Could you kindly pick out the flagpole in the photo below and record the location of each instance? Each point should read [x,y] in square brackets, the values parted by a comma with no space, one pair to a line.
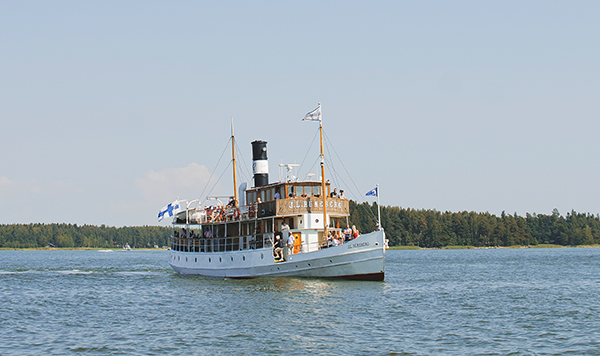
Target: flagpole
[378,209]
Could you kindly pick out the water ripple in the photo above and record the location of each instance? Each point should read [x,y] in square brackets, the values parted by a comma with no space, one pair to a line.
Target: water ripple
[485,302]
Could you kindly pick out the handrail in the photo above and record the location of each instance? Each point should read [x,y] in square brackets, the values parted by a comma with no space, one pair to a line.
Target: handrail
[220,214]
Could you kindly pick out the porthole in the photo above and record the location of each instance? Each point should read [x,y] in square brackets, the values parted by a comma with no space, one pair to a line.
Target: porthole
[296,266]
[186,259]
[244,258]
[196,259]
[262,256]
[331,261]
[209,260]
[178,258]
[316,220]
[309,264]
[220,259]
[231,258]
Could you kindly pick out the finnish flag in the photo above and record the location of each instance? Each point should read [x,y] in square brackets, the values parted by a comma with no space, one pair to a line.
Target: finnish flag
[169,210]
[372,192]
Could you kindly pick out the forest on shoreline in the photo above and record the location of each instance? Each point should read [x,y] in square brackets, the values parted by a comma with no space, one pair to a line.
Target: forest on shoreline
[435,229]
[72,235]
[403,227]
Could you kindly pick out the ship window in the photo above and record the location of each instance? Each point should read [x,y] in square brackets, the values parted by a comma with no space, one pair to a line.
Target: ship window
[315,191]
[262,196]
[268,225]
[219,230]
[233,229]
[291,191]
[268,195]
[246,229]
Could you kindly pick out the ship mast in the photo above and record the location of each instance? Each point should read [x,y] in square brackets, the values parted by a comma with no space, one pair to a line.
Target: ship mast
[324,194]
[235,197]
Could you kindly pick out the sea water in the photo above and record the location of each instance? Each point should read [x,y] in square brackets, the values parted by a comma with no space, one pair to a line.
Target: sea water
[433,302]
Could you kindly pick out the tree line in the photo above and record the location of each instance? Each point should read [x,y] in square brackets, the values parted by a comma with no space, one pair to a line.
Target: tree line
[404,227]
[434,229]
[72,235]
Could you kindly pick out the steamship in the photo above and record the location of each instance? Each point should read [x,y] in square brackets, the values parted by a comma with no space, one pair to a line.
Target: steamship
[240,239]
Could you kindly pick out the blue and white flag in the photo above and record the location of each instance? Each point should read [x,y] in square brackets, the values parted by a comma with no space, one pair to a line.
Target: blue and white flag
[314,115]
[169,210]
[372,192]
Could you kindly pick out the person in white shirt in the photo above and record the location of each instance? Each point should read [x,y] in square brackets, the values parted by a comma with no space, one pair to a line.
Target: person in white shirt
[290,242]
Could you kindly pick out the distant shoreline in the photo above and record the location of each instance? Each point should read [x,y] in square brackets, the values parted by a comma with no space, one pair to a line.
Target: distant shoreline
[77,249]
[391,248]
[485,248]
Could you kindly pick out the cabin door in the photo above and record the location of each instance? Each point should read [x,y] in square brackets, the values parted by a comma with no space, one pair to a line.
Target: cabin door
[297,242]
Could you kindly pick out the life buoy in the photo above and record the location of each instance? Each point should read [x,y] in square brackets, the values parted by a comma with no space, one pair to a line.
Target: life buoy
[236,214]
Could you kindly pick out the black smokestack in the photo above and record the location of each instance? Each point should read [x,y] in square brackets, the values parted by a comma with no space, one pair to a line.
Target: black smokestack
[260,164]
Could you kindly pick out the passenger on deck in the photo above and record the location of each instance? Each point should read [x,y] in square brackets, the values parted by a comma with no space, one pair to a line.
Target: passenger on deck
[340,237]
[278,248]
[285,229]
[231,203]
[333,194]
[355,232]
[348,233]
[341,195]
[290,244]
[277,196]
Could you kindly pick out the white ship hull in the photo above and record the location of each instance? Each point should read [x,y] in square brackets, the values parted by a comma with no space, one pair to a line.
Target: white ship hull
[362,258]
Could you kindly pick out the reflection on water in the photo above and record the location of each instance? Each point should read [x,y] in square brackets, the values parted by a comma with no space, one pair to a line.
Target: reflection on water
[432,302]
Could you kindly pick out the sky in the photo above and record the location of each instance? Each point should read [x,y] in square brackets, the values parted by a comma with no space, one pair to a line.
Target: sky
[110,110]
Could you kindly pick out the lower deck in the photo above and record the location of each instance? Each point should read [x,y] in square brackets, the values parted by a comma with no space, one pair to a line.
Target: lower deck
[361,258]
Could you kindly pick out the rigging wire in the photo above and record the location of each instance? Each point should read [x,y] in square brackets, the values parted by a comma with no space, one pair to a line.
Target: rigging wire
[329,165]
[314,164]
[345,169]
[213,173]
[243,166]
[306,155]
[221,176]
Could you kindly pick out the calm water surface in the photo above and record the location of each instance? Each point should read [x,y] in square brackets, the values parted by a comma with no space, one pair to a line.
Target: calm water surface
[475,302]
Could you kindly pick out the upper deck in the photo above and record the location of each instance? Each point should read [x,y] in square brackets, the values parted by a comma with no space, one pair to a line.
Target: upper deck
[274,200]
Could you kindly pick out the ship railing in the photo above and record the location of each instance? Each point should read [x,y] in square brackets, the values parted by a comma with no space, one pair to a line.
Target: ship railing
[217,214]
